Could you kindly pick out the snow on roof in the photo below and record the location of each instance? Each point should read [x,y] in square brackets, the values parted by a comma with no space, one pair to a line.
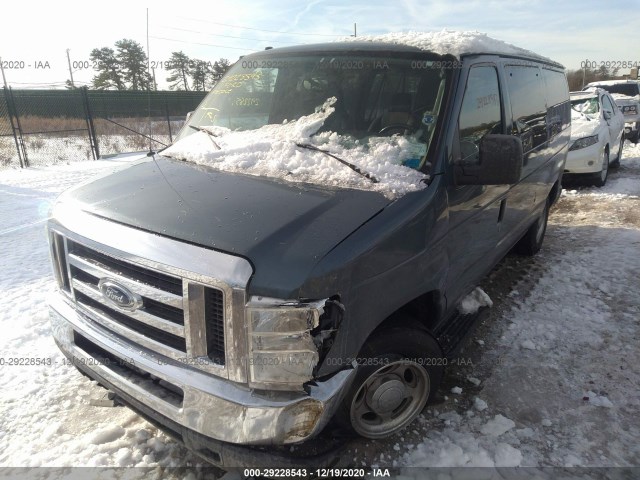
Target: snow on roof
[274,151]
[585,93]
[610,82]
[450,42]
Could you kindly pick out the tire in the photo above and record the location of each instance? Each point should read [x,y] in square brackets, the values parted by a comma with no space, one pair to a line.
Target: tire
[616,162]
[399,373]
[600,178]
[531,242]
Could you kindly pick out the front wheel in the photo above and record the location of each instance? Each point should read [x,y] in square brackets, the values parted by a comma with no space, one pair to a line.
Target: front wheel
[616,162]
[531,243]
[600,178]
[400,370]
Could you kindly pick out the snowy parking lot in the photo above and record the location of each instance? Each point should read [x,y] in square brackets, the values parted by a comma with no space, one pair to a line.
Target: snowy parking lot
[550,379]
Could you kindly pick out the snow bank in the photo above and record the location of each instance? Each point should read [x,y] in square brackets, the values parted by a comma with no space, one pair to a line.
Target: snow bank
[452,448]
[474,301]
[46,419]
[598,400]
[497,426]
[480,404]
[447,41]
[271,151]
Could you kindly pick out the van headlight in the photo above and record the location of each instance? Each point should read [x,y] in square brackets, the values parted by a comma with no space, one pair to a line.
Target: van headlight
[282,354]
[584,142]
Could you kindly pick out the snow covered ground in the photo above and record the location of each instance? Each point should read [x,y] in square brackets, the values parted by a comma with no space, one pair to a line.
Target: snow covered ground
[552,378]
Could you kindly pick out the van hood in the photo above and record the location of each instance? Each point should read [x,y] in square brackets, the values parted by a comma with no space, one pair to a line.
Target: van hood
[284,229]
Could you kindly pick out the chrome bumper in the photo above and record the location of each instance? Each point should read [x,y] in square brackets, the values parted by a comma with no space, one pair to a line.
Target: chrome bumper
[210,405]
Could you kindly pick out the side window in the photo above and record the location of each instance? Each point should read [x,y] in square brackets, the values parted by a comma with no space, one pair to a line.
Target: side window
[606,104]
[481,113]
[528,105]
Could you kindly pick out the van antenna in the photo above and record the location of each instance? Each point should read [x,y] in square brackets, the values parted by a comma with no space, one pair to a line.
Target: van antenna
[148,85]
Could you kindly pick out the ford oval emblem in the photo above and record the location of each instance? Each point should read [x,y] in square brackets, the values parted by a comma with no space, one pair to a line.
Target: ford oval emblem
[119,295]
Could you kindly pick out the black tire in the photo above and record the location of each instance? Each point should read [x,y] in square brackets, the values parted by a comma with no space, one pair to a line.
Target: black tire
[395,365]
[531,242]
[600,178]
[616,161]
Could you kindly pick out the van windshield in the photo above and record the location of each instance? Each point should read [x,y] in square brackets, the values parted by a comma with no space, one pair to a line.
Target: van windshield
[372,96]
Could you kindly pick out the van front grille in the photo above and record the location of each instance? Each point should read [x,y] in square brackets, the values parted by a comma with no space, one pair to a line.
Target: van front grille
[157,321]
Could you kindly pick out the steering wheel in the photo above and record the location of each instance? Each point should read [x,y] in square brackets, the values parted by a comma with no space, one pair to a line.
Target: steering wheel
[405,127]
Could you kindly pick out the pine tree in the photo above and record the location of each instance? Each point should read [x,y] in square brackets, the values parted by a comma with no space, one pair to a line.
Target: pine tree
[200,72]
[109,72]
[219,69]
[179,64]
[133,62]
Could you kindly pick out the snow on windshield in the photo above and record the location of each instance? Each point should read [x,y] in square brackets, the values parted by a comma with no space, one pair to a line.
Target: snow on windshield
[272,151]
[448,42]
[584,109]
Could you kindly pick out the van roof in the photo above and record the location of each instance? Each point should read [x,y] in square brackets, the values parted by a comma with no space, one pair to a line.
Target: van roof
[458,44]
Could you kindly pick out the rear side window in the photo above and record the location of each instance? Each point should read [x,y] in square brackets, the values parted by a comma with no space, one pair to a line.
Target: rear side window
[556,87]
[481,113]
[528,105]
[558,109]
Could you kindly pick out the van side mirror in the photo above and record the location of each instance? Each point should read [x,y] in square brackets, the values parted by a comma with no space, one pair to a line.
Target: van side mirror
[189,115]
[607,114]
[500,162]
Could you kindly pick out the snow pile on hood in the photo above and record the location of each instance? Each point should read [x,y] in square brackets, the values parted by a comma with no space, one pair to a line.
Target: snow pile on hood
[584,124]
[271,151]
[448,42]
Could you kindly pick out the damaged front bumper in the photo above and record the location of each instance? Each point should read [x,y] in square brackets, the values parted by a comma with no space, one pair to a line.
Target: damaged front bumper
[203,405]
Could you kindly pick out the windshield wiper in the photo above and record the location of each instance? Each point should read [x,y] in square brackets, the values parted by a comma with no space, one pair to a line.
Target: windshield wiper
[344,162]
[211,135]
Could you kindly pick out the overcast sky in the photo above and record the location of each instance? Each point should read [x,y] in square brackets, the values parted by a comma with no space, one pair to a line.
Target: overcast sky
[566,31]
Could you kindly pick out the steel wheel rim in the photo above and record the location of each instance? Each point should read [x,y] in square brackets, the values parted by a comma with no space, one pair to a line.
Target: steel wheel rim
[389,399]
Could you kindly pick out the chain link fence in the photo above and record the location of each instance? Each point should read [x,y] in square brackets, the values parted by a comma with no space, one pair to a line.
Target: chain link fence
[40,127]
[9,146]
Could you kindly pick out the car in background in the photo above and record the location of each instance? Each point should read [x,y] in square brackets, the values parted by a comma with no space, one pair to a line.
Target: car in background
[626,94]
[597,135]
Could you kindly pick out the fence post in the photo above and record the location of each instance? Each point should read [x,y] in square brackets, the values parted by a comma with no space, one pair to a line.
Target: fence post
[13,128]
[93,138]
[166,109]
[13,111]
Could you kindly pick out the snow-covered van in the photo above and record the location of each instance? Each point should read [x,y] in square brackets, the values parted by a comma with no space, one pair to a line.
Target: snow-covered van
[293,263]
[626,94]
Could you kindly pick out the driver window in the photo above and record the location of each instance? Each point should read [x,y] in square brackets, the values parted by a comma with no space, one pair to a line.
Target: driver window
[606,104]
[481,113]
